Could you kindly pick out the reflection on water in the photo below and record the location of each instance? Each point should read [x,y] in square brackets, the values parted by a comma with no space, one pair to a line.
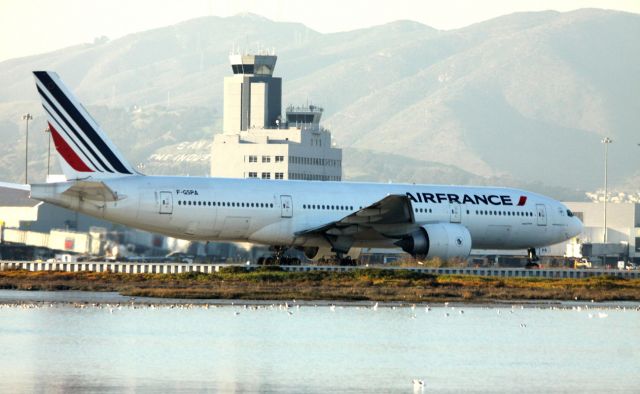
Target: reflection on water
[117,346]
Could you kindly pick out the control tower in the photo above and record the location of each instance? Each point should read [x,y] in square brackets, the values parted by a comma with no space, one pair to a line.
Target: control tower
[257,143]
[252,96]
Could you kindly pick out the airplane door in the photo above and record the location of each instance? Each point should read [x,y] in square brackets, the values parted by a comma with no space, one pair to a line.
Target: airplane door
[541,212]
[286,204]
[454,210]
[166,203]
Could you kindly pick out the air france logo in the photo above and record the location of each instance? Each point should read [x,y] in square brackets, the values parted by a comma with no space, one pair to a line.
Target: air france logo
[475,199]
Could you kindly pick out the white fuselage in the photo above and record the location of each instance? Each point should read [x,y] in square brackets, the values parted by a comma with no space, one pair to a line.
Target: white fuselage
[271,212]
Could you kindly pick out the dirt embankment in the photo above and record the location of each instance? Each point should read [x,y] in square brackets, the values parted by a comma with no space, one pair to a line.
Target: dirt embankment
[270,283]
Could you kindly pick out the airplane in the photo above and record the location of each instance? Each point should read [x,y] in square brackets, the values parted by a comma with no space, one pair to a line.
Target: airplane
[320,218]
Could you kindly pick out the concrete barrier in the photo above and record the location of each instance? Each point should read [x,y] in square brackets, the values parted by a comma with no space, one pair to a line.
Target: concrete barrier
[176,268]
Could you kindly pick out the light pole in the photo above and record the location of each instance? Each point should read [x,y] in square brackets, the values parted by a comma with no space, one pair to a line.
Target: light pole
[48,130]
[606,141]
[26,117]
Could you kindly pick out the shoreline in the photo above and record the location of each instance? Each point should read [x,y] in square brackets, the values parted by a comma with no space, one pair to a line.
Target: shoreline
[366,286]
[86,298]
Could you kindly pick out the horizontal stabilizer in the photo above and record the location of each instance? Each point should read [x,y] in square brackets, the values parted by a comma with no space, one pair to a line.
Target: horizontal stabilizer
[86,190]
[15,186]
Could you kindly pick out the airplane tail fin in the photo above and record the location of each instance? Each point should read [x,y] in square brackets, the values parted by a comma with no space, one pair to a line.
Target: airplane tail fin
[85,150]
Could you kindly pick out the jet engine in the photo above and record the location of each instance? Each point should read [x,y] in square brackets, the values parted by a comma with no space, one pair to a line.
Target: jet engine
[316,253]
[443,240]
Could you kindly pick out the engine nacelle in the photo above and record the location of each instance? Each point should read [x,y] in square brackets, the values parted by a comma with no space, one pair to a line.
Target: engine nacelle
[316,253]
[443,240]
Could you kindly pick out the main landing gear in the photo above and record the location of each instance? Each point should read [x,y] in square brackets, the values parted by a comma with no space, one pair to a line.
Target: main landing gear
[345,260]
[278,257]
[532,259]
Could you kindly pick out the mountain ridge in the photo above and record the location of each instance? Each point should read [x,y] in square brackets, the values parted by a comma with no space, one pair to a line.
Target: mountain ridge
[523,96]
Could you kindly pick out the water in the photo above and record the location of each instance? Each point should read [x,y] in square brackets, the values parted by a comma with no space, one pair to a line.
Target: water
[63,348]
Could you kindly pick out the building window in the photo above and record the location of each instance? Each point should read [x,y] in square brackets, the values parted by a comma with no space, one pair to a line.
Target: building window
[253,159]
[266,175]
[266,159]
[279,159]
[279,175]
[253,175]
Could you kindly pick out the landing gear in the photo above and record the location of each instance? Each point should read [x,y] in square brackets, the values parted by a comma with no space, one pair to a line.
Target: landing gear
[345,260]
[278,257]
[348,261]
[532,259]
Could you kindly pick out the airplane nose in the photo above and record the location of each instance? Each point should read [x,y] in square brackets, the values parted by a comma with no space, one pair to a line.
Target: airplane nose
[575,227]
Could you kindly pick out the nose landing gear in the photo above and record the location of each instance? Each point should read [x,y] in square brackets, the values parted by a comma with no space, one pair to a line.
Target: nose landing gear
[532,259]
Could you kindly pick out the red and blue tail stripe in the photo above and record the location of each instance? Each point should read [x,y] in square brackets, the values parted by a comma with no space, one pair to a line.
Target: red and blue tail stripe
[86,150]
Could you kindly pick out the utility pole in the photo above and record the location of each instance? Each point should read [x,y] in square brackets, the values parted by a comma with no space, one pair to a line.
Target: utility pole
[606,141]
[26,117]
[48,130]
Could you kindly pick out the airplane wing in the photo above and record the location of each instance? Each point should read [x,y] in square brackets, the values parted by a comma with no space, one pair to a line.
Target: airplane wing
[393,209]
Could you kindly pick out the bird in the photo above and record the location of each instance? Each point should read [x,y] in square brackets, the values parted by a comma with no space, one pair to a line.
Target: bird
[418,385]
[236,313]
[375,307]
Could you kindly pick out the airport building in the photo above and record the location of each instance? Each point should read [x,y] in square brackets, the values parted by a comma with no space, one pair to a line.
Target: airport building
[257,142]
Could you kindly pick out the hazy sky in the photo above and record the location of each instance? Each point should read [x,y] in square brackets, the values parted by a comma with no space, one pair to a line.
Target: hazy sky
[35,26]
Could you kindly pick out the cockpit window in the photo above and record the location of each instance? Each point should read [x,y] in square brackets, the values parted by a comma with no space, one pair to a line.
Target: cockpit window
[569,213]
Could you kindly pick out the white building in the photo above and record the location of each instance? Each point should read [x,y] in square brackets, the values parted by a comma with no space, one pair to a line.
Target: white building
[257,142]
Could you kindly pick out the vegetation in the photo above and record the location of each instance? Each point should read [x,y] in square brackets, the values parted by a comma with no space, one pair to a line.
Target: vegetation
[271,283]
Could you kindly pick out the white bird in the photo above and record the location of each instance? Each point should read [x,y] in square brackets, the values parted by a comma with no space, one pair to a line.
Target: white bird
[418,385]
[523,325]
[375,307]
[602,315]
[461,312]
[332,308]
[236,313]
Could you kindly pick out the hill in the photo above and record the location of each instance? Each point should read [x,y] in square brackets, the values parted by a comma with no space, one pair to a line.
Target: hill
[522,97]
